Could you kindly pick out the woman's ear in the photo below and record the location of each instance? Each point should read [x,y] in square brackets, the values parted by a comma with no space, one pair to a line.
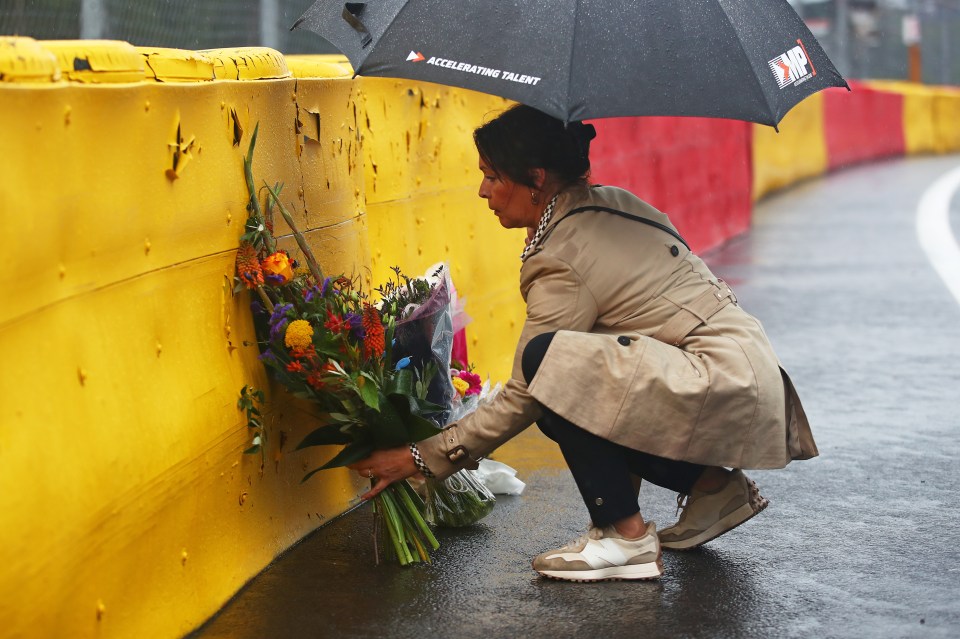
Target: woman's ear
[539,176]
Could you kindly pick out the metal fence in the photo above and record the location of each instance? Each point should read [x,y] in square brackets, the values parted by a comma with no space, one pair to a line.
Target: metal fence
[874,38]
[865,38]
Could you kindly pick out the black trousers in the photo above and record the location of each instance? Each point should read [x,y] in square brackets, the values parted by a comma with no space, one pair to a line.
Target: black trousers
[601,468]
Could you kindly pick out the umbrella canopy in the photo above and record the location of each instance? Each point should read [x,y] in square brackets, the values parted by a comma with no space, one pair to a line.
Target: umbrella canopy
[579,59]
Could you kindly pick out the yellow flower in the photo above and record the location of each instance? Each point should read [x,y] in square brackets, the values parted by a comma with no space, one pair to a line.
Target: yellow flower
[461,386]
[299,335]
[276,268]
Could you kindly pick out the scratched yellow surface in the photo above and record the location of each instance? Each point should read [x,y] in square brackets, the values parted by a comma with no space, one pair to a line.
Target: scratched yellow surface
[132,511]
[122,201]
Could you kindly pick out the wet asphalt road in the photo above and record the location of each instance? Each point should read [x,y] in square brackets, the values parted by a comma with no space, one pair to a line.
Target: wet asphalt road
[863,541]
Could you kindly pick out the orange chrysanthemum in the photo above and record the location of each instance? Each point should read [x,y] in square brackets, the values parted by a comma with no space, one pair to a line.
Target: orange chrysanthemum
[248,266]
[373,330]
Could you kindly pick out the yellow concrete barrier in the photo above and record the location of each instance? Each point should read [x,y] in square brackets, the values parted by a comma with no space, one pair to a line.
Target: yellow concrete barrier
[797,152]
[131,508]
[134,511]
[947,117]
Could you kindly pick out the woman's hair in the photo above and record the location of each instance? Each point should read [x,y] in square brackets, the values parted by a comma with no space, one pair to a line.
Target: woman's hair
[522,139]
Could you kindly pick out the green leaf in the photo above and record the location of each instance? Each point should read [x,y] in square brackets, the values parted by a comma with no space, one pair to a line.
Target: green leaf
[327,435]
[340,417]
[252,450]
[369,394]
[387,426]
[421,428]
[400,384]
[350,454]
[423,407]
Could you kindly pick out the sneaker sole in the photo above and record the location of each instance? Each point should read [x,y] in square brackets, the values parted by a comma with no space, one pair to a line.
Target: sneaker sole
[641,572]
[741,515]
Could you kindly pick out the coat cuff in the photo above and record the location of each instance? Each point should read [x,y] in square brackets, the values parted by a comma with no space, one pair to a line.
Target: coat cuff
[444,455]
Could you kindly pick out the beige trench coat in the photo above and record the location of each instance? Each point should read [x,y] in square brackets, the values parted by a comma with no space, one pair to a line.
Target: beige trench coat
[653,351]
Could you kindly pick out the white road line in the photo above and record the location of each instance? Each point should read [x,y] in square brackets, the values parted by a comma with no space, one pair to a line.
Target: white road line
[933,230]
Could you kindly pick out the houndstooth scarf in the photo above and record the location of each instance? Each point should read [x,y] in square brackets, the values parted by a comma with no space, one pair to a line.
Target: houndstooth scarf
[541,227]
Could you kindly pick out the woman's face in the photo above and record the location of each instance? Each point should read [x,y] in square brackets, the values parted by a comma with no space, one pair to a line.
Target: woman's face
[508,200]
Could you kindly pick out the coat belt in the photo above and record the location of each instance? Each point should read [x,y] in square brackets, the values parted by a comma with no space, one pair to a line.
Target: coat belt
[697,312]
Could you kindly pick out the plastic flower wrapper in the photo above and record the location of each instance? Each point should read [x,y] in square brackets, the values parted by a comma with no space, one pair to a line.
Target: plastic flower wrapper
[430,316]
[424,331]
[461,499]
[324,341]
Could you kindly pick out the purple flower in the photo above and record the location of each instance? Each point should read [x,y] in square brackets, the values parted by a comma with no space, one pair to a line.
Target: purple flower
[279,312]
[267,357]
[279,320]
[355,322]
[278,330]
[326,285]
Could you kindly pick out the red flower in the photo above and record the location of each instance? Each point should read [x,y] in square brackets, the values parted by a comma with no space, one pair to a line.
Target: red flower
[308,353]
[315,379]
[335,323]
[373,330]
[476,384]
[295,367]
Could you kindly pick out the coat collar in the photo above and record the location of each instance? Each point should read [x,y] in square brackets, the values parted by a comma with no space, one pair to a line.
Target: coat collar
[568,199]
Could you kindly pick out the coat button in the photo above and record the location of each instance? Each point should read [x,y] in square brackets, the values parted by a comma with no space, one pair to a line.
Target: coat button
[674,251]
[624,340]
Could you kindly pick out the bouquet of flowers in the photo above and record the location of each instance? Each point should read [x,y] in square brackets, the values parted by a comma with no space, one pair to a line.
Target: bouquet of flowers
[325,341]
[425,336]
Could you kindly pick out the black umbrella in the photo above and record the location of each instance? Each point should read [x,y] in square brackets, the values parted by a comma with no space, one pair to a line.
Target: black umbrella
[579,59]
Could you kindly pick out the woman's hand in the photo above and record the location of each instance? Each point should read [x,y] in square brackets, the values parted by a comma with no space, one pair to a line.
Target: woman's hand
[386,466]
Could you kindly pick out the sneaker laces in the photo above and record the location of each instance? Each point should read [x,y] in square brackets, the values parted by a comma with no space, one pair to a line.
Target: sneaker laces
[683,501]
[593,533]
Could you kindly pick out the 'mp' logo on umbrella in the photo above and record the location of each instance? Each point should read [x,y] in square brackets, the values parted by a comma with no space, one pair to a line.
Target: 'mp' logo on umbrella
[791,67]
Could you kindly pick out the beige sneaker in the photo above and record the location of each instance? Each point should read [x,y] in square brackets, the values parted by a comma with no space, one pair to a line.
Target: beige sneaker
[603,554]
[706,516]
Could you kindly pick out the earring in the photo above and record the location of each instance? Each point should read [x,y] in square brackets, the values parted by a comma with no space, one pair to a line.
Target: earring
[534,197]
